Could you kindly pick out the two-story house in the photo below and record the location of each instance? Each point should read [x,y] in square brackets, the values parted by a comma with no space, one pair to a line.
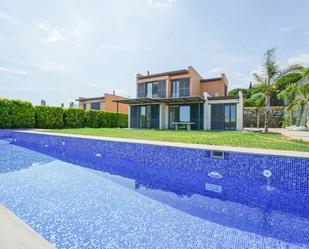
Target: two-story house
[165,100]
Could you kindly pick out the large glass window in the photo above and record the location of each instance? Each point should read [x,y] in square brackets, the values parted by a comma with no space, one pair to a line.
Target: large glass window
[175,88]
[95,106]
[184,113]
[155,89]
[141,116]
[230,117]
[149,90]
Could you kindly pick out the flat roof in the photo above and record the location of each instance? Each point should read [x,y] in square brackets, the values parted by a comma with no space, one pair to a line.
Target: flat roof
[93,98]
[170,73]
[188,99]
[223,97]
[211,79]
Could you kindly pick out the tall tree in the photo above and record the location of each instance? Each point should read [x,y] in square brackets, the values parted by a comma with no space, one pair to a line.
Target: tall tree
[270,73]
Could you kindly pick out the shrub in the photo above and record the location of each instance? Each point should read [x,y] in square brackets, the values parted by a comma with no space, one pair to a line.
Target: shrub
[49,117]
[22,114]
[74,118]
[122,120]
[94,119]
[5,106]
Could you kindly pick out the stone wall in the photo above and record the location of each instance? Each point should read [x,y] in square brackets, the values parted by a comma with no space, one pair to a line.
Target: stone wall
[275,120]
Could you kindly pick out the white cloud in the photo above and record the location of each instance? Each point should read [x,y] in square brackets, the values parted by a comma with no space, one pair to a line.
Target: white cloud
[215,70]
[53,35]
[161,3]
[4,17]
[54,67]
[302,58]
[12,71]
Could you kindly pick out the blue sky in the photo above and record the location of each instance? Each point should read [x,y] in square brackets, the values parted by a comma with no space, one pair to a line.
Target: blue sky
[60,50]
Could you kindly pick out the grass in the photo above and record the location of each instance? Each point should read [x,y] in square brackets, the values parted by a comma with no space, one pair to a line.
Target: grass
[237,139]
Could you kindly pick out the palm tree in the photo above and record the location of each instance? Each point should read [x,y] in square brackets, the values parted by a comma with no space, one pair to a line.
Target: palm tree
[269,75]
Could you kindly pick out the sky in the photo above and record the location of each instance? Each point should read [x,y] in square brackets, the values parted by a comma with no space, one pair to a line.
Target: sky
[59,50]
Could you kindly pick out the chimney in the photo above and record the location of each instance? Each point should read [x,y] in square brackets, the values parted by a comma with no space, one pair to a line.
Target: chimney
[113,92]
[148,73]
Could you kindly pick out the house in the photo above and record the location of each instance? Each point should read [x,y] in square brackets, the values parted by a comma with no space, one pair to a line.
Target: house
[104,103]
[173,99]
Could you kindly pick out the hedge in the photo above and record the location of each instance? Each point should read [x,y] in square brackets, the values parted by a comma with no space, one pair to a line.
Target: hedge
[5,120]
[22,114]
[74,118]
[49,117]
[16,114]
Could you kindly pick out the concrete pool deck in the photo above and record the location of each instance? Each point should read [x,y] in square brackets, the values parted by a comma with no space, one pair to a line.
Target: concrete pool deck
[15,234]
[284,153]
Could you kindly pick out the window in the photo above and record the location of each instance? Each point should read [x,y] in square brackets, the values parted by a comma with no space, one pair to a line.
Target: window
[95,106]
[141,90]
[84,106]
[184,113]
[153,89]
[181,87]
[175,88]
[149,90]
[230,117]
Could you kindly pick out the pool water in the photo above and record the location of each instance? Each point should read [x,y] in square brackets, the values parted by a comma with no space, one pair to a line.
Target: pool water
[84,200]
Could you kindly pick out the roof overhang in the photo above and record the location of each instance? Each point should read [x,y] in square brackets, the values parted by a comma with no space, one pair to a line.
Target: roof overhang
[180,100]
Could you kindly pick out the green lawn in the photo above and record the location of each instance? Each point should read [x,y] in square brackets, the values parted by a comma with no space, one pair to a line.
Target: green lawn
[238,139]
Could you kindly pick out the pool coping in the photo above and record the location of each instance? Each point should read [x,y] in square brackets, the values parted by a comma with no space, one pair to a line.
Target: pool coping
[14,233]
[243,150]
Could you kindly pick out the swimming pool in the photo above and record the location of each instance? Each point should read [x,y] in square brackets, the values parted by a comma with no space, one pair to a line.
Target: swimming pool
[85,193]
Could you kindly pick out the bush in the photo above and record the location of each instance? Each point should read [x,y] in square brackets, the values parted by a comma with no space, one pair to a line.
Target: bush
[94,119]
[16,114]
[122,120]
[22,114]
[5,106]
[74,118]
[49,117]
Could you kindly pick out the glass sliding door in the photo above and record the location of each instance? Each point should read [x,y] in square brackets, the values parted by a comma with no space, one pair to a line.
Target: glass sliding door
[141,116]
[230,117]
[147,116]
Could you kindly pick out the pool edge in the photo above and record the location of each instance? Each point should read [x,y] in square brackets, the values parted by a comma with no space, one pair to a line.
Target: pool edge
[242,150]
[14,233]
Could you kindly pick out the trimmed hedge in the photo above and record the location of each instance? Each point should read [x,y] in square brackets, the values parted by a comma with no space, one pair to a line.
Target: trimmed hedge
[22,114]
[49,117]
[5,120]
[16,114]
[74,118]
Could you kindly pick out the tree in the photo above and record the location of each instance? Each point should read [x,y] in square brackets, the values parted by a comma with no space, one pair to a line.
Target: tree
[259,102]
[289,96]
[303,101]
[282,83]
[270,73]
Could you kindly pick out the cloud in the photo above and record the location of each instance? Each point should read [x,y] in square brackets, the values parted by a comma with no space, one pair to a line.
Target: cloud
[12,71]
[53,35]
[302,58]
[161,3]
[215,70]
[54,67]
[4,17]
